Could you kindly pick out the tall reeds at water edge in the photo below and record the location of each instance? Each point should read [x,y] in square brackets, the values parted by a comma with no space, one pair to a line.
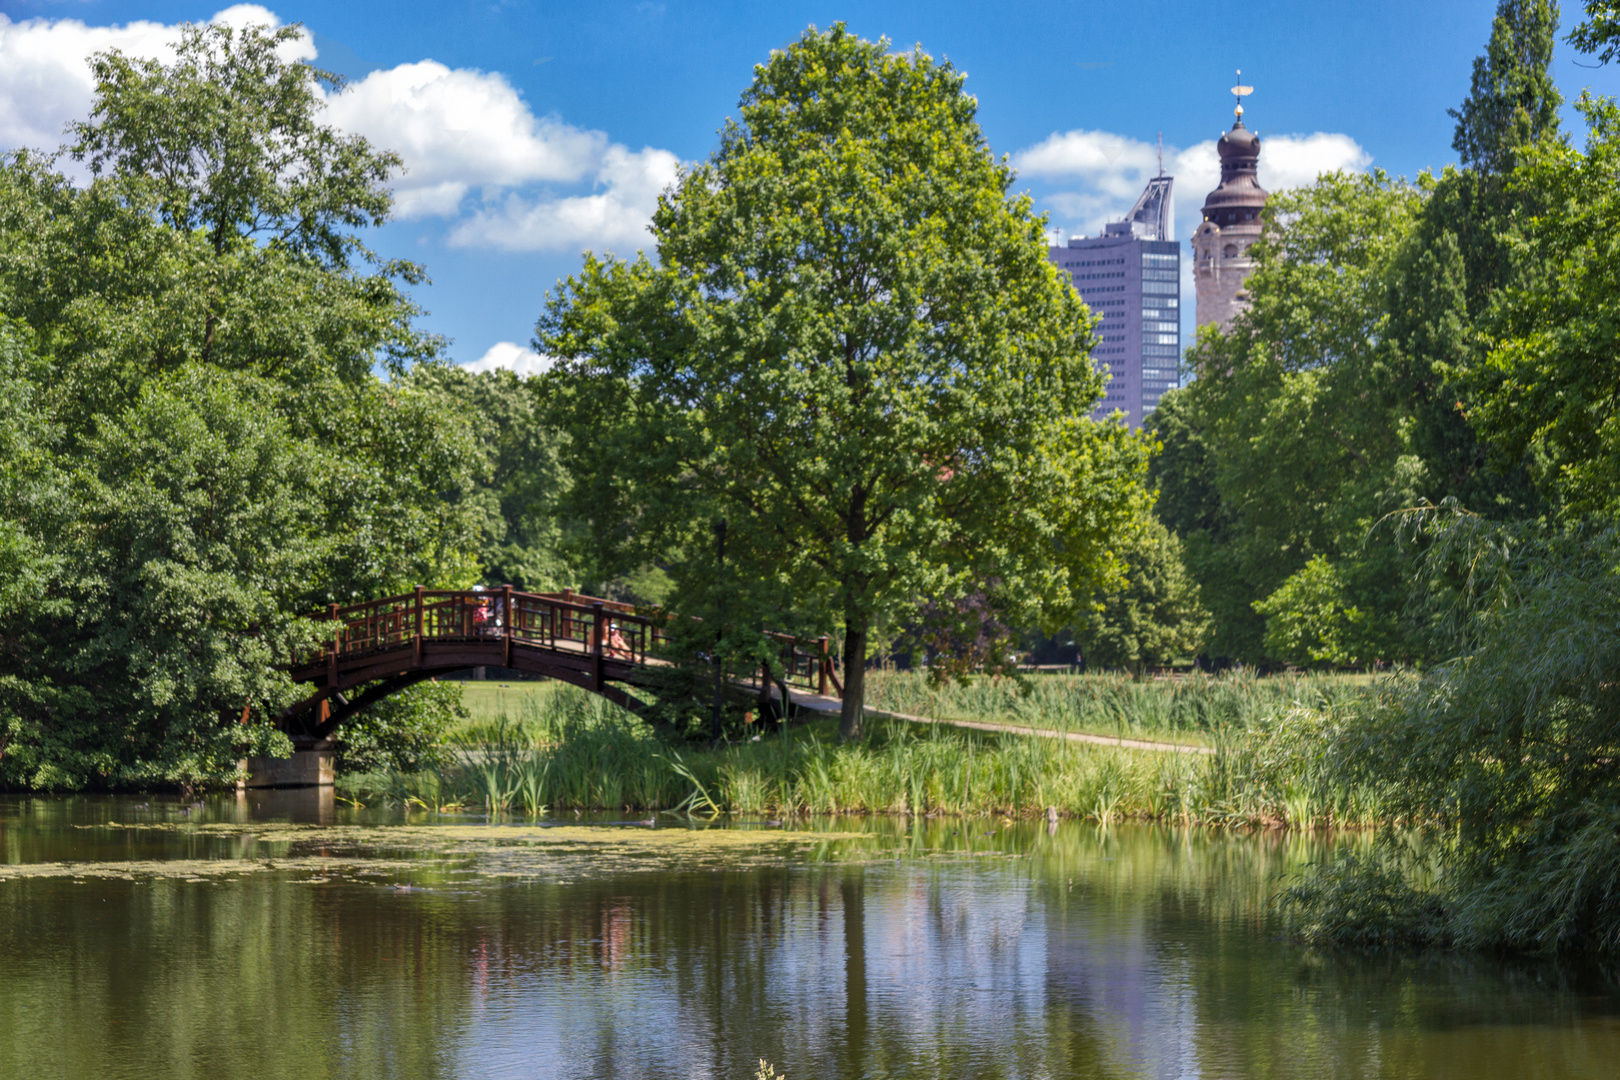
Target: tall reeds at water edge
[571,750]
[1193,708]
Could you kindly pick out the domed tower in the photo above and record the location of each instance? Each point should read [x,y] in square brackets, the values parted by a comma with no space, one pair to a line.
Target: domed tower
[1231,225]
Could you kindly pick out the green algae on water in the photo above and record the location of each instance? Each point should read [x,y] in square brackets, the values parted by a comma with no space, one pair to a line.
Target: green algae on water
[470,852]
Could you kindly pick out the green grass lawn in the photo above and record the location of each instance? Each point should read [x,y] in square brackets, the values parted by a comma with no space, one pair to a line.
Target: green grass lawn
[488,701]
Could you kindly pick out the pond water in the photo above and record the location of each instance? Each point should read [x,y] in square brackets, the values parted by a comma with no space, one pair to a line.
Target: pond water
[277,935]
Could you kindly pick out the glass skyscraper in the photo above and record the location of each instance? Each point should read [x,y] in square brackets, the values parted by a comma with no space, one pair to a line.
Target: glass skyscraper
[1131,276]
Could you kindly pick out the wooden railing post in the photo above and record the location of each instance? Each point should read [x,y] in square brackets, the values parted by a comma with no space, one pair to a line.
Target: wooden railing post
[566,615]
[421,620]
[821,680]
[596,643]
[507,618]
[332,657]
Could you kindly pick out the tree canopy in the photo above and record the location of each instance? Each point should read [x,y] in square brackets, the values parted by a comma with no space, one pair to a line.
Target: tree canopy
[1292,442]
[1358,384]
[854,353]
[1155,617]
[1547,388]
[1512,100]
[205,451]
[1600,33]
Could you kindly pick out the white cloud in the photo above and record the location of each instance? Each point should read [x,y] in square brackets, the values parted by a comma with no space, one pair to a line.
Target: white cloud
[1295,160]
[617,216]
[472,147]
[1110,162]
[458,129]
[1112,170]
[508,354]
[45,79]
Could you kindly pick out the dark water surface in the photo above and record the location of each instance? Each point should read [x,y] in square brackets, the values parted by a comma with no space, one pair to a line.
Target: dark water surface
[271,937]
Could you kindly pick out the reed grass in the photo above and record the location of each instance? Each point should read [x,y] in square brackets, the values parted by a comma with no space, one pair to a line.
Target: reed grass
[1189,708]
[570,750]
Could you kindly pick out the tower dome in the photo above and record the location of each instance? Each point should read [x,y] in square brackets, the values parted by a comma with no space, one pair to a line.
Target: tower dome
[1239,196]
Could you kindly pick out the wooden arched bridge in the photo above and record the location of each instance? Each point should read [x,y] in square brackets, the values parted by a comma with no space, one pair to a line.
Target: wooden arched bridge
[386,645]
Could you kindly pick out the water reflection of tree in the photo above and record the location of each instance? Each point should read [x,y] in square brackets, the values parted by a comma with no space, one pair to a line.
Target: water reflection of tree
[179,979]
[984,967]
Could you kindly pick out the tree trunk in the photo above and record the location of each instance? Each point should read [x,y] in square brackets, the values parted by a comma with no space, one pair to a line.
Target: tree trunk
[715,729]
[854,706]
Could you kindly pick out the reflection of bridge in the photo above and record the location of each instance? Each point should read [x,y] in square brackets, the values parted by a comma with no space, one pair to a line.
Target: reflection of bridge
[382,646]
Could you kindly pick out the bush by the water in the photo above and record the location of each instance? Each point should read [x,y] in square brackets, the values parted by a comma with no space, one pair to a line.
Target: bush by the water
[1504,759]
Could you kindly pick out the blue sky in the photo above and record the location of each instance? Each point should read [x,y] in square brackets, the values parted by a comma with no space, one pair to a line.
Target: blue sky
[535,130]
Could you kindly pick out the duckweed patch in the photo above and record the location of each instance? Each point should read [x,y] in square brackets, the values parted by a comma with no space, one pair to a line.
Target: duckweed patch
[467,853]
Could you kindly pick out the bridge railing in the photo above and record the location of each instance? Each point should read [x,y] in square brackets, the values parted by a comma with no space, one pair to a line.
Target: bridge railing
[805,663]
[570,621]
[565,622]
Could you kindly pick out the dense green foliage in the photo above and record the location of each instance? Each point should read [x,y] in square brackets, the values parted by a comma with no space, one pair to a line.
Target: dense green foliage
[406,730]
[1547,389]
[203,451]
[1502,756]
[1357,384]
[853,378]
[1502,753]
[1155,617]
[1291,444]
[522,537]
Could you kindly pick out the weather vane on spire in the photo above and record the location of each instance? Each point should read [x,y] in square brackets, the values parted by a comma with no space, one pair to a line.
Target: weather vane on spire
[1241,92]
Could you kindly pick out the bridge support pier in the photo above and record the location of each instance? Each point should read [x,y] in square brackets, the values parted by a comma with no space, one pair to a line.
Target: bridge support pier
[309,766]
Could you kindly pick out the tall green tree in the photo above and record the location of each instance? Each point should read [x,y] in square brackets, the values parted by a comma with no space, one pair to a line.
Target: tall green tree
[225,141]
[1546,389]
[205,332]
[853,353]
[1291,443]
[1463,255]
[1512,100]
[220,227]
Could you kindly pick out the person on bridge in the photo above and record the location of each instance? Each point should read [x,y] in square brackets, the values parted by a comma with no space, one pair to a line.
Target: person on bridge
[616,645]
[482,622]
